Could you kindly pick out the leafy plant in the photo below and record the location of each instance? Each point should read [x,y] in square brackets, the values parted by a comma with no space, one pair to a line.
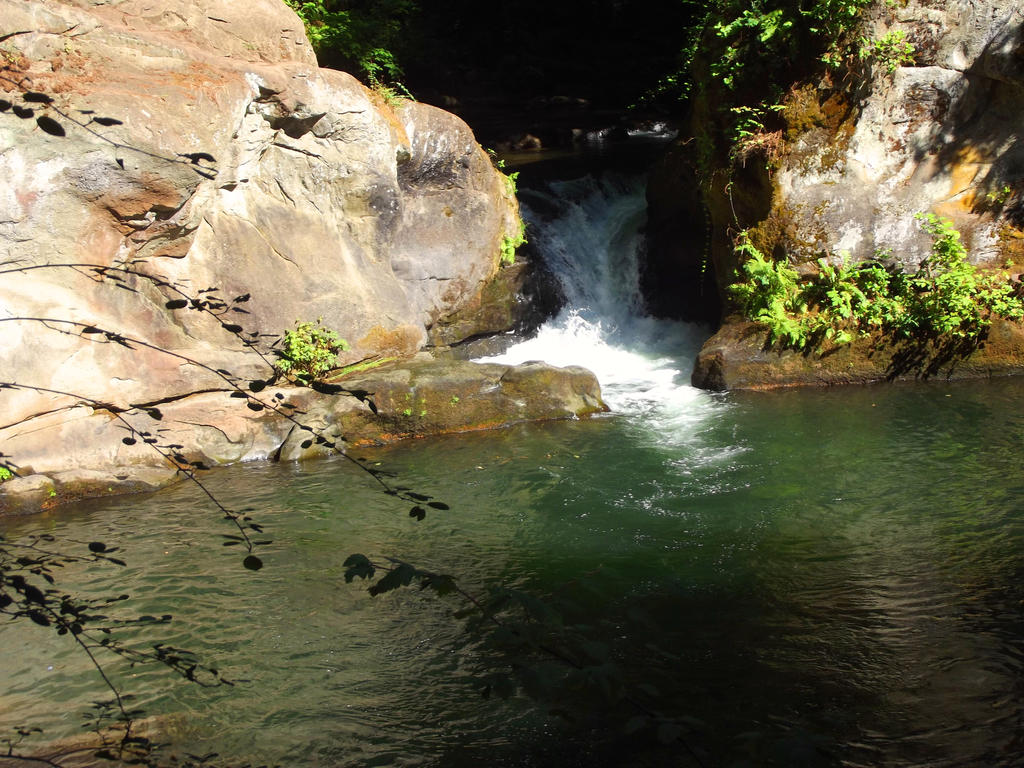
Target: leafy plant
[511,180]
[946,298]
[510,244]
[5,474]
[362,35]
[891,51]
[998,198]
[309,351]
[769,294]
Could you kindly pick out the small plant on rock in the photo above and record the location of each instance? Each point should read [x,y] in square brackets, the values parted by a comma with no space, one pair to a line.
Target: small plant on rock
[511,243]
[309,351]
[891,51]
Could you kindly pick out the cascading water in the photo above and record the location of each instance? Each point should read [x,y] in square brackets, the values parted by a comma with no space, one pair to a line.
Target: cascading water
[591,237]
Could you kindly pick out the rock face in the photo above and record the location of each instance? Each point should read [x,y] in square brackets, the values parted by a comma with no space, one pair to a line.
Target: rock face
[197,143]
[320,200]
[939,136]
[860,156]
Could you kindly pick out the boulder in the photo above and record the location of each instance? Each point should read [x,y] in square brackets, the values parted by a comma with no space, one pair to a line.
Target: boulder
[220,187]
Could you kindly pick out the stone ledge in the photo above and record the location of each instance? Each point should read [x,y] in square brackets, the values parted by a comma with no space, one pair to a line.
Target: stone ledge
[80,453]
[737,357]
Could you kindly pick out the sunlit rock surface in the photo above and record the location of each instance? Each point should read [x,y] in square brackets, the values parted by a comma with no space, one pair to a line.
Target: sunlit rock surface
[863,155]
[202,138]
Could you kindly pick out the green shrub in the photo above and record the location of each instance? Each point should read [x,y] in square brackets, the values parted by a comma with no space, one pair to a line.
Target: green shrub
[362,35]
[309,351]
[5,474]
[946,298]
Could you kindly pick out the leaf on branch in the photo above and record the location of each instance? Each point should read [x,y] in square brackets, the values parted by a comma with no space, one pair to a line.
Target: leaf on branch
[107,122]
[50,126]
[358,566]
[34,594]
[176,304]
[635,724]
[97,546]
[252,563]
[129,440]
[326,389]
[438,505]
[196,157]
[364,397]
[418,512]
[5,105]
[440,583]
[23,112]
[36,97]
[401,576]
[669,732]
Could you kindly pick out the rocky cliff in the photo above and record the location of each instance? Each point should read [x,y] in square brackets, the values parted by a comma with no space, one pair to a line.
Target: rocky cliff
[198,143]
[937,134]
[859,153]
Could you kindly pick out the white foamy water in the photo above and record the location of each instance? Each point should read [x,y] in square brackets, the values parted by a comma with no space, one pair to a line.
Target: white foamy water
[589,233]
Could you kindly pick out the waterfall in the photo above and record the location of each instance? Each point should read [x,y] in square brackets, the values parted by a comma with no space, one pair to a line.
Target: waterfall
[589,232]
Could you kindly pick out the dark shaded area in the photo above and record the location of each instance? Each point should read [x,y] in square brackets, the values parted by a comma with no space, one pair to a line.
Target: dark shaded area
[531,52]
[679,276]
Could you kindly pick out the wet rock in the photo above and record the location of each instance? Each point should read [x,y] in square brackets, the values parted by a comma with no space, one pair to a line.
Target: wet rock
[429,397]
[738,357]
[26,495]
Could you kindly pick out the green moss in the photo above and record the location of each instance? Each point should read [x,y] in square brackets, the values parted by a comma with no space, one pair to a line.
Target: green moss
[802,110]
[365,365]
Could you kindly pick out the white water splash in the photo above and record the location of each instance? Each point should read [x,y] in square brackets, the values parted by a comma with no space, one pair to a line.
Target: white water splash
[590,236]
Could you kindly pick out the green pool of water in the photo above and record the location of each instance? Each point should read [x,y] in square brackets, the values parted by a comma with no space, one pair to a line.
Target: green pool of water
[836,577]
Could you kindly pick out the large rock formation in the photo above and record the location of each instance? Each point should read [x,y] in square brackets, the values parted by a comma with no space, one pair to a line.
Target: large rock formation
[861,153]
[198,141]
[937,136]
